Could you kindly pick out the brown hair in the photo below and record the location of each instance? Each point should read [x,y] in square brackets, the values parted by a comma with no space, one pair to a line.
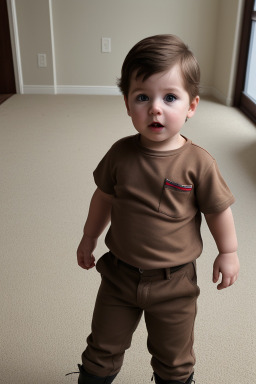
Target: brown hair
[158,54]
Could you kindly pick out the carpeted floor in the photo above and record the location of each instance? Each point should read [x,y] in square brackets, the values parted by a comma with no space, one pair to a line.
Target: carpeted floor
[49,147]
[4,97]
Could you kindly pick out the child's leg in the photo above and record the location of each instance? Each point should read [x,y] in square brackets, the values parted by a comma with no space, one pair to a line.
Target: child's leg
[170,323]
[115,318]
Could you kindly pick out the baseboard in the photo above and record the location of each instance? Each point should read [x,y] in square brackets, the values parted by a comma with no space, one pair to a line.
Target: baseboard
[214,92]
[38,89]
[221,97]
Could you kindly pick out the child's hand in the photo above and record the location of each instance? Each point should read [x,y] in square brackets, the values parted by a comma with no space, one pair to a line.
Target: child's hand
[228,265]
[85,258]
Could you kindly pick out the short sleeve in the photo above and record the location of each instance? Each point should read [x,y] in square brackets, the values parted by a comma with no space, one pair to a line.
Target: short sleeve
[104,174]
[213,194]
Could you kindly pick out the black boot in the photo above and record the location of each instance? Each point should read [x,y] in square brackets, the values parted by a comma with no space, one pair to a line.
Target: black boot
[158,380]
[87,378]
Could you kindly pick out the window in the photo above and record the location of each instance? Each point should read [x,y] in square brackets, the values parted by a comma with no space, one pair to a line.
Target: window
[245,95]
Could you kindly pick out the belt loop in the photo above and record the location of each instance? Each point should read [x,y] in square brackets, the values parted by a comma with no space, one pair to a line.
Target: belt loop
[168,273]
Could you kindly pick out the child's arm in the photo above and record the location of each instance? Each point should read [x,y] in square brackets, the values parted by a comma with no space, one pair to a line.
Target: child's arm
[97,220]
[222,228]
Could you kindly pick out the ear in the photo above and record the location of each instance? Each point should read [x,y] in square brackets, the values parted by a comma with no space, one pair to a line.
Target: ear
[192,107]
[127,105]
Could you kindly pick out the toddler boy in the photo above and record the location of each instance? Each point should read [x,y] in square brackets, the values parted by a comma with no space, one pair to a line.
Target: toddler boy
[153,187]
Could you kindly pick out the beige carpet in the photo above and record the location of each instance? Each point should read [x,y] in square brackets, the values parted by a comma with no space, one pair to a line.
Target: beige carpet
[49,147]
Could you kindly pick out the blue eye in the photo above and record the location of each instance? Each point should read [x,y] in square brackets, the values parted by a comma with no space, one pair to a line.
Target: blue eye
[170,98]
[142,98]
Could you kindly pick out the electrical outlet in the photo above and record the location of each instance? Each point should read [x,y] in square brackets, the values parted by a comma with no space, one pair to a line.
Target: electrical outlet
[41,60]
[106,44]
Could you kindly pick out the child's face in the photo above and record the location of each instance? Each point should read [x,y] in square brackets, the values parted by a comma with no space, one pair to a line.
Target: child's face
[159,107]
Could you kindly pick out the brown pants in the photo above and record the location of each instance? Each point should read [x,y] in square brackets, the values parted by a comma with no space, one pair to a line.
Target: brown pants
[167,297]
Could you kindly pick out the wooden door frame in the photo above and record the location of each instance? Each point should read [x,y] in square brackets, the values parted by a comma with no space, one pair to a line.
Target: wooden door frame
[13,25]
[8,83]
[240,99]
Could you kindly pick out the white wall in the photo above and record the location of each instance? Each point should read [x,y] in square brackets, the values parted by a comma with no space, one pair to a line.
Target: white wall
[227,46]
[209,27]
[34,37]
[78,57]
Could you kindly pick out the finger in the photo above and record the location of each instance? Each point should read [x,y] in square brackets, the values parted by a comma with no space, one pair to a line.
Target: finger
[81,264]
[84,263]
[224,283]
[234,279]
[91,264]
[216,275]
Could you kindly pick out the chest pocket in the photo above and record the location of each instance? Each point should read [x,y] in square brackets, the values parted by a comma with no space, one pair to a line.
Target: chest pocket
[174,199]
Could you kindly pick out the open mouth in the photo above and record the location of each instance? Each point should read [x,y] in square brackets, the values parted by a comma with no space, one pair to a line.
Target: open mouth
[156,125]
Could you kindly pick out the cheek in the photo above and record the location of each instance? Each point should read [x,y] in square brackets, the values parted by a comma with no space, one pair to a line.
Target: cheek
[179,114]
[136,113]
[136,120]
[177,119]
[175,115]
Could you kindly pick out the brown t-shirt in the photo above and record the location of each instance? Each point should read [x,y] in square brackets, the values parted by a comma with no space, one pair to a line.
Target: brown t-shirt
[158,200]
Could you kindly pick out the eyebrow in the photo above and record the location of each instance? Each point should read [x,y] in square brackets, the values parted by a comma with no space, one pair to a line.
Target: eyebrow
[170,89]
[137,90]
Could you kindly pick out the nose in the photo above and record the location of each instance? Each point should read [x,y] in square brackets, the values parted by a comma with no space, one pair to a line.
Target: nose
[155,108]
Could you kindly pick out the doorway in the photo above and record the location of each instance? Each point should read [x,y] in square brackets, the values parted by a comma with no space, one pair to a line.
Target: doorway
[7,77]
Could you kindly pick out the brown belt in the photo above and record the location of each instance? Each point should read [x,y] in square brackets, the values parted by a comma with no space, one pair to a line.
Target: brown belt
[148,272]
